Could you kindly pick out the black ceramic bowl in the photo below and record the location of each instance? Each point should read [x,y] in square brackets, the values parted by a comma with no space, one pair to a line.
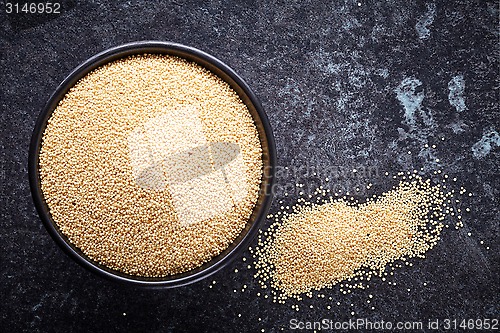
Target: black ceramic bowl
[266,139]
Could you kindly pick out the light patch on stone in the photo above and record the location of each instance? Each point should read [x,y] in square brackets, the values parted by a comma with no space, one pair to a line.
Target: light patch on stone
[456,86]
[409,98]
[458,127]
[422,25]
[483,147]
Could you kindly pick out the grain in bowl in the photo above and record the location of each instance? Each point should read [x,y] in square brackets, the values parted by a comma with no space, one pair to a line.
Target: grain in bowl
[151,165]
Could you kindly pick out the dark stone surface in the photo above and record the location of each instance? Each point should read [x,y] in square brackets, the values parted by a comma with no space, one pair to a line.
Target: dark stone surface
[345,84]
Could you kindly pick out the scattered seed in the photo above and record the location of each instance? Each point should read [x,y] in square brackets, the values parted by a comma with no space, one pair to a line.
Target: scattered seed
[398,225]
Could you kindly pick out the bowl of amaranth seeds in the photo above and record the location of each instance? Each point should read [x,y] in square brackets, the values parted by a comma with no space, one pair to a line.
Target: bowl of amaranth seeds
[152,164]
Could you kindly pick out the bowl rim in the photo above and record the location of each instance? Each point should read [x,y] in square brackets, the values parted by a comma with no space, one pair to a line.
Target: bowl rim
[122,51]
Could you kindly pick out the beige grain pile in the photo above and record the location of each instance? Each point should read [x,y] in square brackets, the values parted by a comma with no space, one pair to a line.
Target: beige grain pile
[151,165]
[318,245]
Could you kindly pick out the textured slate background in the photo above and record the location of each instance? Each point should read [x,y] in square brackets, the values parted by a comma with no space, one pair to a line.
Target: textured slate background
[346,84]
